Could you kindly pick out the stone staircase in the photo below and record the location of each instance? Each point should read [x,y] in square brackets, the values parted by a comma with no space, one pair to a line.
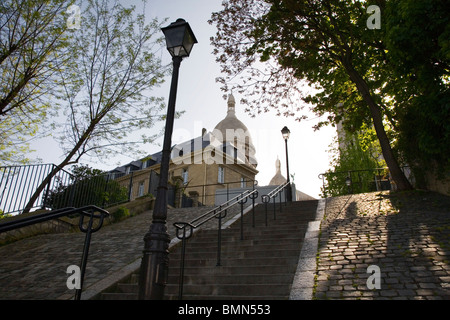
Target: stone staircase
[262,266]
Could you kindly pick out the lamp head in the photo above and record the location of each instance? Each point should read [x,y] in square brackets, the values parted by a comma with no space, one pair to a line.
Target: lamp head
[179,38]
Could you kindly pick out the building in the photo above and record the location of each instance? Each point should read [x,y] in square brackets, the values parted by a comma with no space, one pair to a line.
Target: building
[221,159]
[279,179]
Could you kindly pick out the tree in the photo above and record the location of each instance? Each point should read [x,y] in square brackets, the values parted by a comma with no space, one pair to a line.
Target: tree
[105,88]
[89,187]
[325,43]
[358,152]
[33,42]
[417,37]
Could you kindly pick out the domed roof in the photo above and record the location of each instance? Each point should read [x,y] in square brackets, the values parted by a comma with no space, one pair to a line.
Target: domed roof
[278,178]
[231,121]
[233,130]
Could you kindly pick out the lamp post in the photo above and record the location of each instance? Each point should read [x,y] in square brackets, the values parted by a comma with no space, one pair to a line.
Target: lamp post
[348,182]
[155,261]
[285,132]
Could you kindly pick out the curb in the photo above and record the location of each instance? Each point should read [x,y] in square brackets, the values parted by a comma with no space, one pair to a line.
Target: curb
[303,283]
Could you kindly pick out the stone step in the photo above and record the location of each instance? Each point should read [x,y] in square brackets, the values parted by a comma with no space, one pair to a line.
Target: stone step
[257,253]
[230,289]
[262,266]
[249,239]
[233,261]
[134,296]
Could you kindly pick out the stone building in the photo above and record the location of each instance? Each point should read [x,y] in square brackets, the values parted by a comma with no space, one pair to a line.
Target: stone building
[221,159]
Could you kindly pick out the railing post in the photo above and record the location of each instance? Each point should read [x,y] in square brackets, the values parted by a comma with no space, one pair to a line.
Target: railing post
[242,219]
[265,199]
[219,238]
[280,201]
[87,242]
[274,205]
[183,239]
[183,253]
[253,196]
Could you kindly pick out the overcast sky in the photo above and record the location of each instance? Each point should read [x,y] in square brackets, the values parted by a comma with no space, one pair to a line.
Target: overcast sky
[202,100]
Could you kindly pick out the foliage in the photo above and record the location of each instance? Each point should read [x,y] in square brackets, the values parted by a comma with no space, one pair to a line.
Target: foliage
[359,153]
[106,94]
[106,87]
[33,44]
[89,187]
[418,45]
[268,49]
[3,215]
[120,214]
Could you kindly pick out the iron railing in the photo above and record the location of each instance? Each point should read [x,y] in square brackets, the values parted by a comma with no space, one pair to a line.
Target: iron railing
[218,212]
[18,184]
[185,230]
[87,211]
[273,195]
[358,181]
[207,194]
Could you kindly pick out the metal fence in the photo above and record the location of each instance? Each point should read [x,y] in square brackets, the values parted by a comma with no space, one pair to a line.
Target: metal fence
[358,181]
[19,183]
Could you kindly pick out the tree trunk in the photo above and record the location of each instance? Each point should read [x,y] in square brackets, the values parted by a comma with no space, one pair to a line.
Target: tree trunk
[397,174]
[65,162]
[41,188]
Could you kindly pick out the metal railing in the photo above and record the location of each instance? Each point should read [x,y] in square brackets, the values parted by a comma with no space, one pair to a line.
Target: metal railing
[18,183]
[219,213]
[87,211]
[185,230]
[207,194]
[272,195]
[358,181]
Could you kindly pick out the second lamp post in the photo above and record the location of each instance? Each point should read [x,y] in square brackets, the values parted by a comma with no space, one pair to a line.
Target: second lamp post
[285,132]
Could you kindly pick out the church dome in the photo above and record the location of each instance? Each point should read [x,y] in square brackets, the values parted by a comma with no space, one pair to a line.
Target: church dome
[233,130]
[278,178]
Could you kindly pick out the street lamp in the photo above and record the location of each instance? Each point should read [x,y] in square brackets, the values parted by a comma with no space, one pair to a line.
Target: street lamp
[348,182]
[286,133]
[155,261]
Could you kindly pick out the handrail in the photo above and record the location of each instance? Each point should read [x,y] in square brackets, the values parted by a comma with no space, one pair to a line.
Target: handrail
[218,212]
[224,206]
[86,211]
[272,195]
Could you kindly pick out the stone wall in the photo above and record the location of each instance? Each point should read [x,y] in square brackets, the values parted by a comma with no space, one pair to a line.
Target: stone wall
[438,185]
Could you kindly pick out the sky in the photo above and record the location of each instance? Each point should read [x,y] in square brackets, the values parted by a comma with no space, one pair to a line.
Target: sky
[202,100]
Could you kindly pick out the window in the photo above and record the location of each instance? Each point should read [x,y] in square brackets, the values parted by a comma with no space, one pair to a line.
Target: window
[221,175]
[141,189]
[185,176]
[243,184]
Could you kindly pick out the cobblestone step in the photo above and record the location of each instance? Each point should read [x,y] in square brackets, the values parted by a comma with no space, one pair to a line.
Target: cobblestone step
[261,267]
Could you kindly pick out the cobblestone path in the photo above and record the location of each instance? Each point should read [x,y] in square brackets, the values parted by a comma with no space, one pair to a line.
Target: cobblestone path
[406,235]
